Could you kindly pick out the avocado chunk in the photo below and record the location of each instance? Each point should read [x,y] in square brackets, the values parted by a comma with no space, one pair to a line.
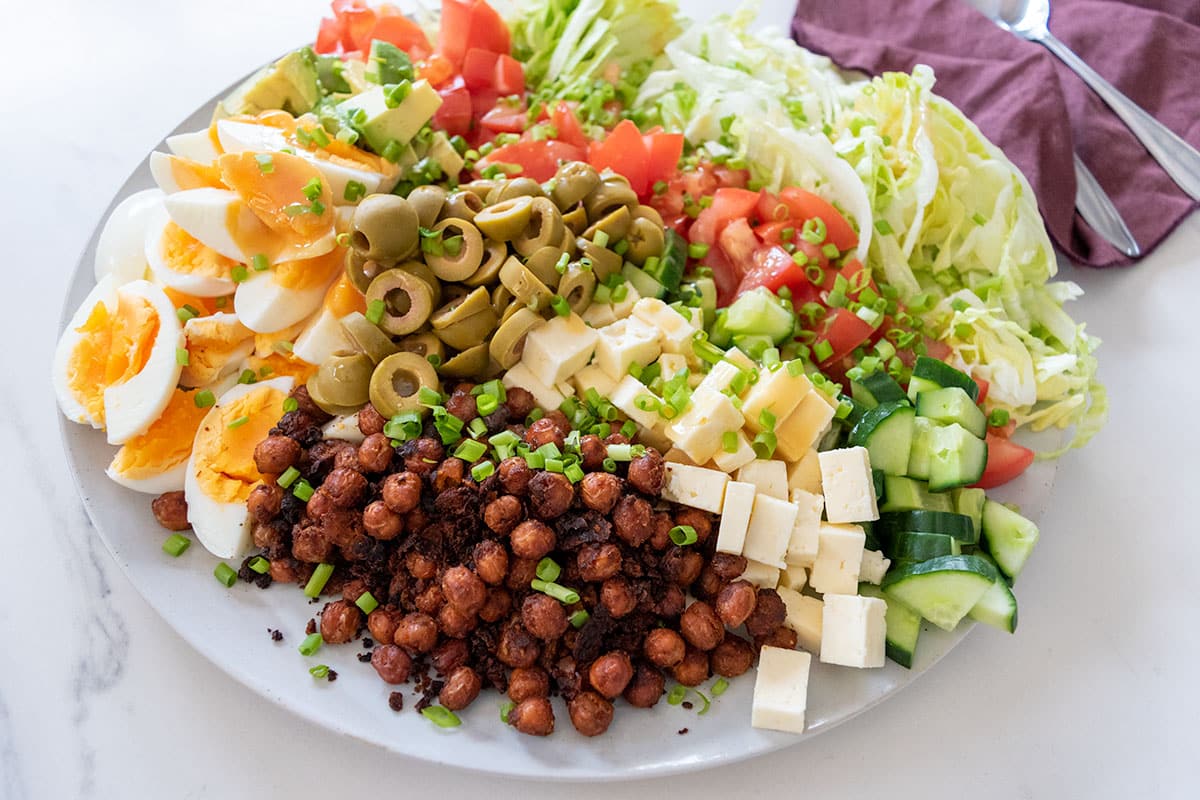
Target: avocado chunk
[290,84]
[382,125]
[388,64]
[441,151]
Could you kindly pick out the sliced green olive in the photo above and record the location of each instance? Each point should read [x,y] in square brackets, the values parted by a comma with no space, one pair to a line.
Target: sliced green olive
[407,301]
[470,363]
[454,293]
[385,228]
[470,331]
[612,192]
[457,310]
[460,261]
[344,378]
[316,393]
[646,239]
[506,219]
[396,382]
[650,213]
[462,205]
[604,261]
[428,202]
[577,287]
[367,336]
[544,264]
[508,342]
[545,228]
[573,182]
[502,297]
[567,245]
[423,344]
[509,310]
[524,285]
[494,254]
[481,188]
[576,219]
[421,270]
[615,225]
[517,187]
[361,270]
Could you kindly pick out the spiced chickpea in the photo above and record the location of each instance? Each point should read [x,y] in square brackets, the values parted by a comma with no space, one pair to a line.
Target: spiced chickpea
[701,626]
[598,562]
[782,636]
[339,622]
[170,509]
[345,487]
[401,491]
[310,544]
[461,404]
[671,604]
[616,438]
[550,494]
[381,523]
[693,670]
[449,474]
[497,606]
[449,655]
[416,520]
[709,584]
[617,596]
[600,491]
[515,475]
[732,657]
[275,454]
[590,713]
[661,524]
[353,589]
[346,457]
[726,566]
[430,600]
[320,504]
[682,565]
[533,716]
[769,613]
[518,647]
[519,401]
[423,455]
[632,520]
[646,687]
[646,473]
[416,633]
[542,432]
[269,536]
[420,566]
[503,513]
[461,688]
[392,663]
[370,421]
[610,673]
[735,603]
[560,421]
[464,589]
[491,562]
[283,570]
[543,616]
[700,521]
[593,452]
[382,624]
[375,453]
[532,539]
[264,502]
[526,682]
[664,647]
[521,571]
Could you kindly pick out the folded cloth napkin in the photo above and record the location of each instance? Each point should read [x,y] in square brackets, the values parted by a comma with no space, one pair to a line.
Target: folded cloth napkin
[1032,106]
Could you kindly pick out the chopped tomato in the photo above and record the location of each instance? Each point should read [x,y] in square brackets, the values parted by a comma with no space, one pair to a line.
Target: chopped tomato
[509,75]
[739,244]
[401,31]
[505,118]
[805,205]
[567,124]
[328,36]
[435,69]
[479,68]
[851,268]
[357,21]
[663,153]
[623,151]
[771,209]
[538,160]
[775,268]
[844,331]
[728,204]
[455,113]
[725,275]
[984,386]
[483,101]
[454,30]
[1005,461]
[488,29]
[1004,431]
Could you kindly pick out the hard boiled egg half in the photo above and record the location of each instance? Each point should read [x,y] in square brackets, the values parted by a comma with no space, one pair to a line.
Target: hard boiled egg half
[180,261]
[121,250]
[221,473]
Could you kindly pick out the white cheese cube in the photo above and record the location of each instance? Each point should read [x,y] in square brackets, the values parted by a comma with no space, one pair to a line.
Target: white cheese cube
[735,516]
[592,377]
[671,363]
[764,576]
[769,475]
[873,567]
[804,617]
[806,533]
[560,348]
[779,392]
[720,376]
[781,690]
[806,473]
[547,397]
[744,454]
[793,577]
[849,488]
[600,314]
[839,558]
[853,630]
[770,529]
[739,359]
[625,342]
[675,332]
[694,486]
[797,433]
[699,430]
[624,396]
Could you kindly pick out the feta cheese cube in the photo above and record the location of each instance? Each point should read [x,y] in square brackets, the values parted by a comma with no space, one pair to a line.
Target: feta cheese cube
[849,488]
[769,475]
[770,529]
[853,630]
[806,473]
[600,314]
[797,433]
[764,576]
[873,567]
[719,377]
[675,332]
[738,458]
[739,359]
[781,690]
[699,430]
[671,363]
[545,396]
[560,348]
[839,558]
[592,377]
[625,342]
[793,577]
[804,616]
[624,396]
[806,533]
[696,487]
[779,392]
[735,516]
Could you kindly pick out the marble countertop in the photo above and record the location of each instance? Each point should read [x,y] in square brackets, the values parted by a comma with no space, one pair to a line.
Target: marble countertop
[1094,696]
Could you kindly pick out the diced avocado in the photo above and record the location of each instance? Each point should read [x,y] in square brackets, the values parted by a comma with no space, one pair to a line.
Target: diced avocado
[759,312]
[441,151]
[388,64]
[381,125]
[331,73]
[291,84]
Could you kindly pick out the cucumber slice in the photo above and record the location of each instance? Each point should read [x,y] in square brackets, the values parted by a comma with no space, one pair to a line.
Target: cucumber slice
[952,405]
[752,344]
[922,448]
[957,459]
[1010,537]
[959,526]
[969,502]
[905,494]
[944,375]
[759,312]
[719,334]
[886,431]
[876,388]
[646,284]
[903,626]
[917,385]
[706,290]
[997,607]
[942,590]
[669,269]
[904,547]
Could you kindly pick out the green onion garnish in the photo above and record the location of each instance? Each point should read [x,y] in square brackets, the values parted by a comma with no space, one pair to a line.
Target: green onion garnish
[766,420]
[482,471]
[441,716]
[318,580]
[429,397]
[683,535]
[290,404]
[204,398]
[187,312]
[260,263]
[560,593]
[705,700]
[574,473]
[764,444]
[506,709]
[247,377]
[239,273]
[311,644]
[823,350]
[259,565]
[998,418]
[719,686]
[375,310]
[486,404]
[676,695]
[470,450]
[181,356]
[620,452]
[354,191]
[548,570]
[312,189]
[175,544]
[579,618]
[629,429]
[560,305]
[367,602]
[729,441]
[303,490]
[266,164]
[239,422]
[319,671]
[225,574]
[697,251]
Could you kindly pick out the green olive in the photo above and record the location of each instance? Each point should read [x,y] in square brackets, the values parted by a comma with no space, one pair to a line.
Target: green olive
[505,220]
[467,323]
[396,382]
[462,205]
[517,187]
[577,287]
[470,363]
[576,219]
[650,213]
[481,188]
[645,239]
[461,261]
[367,336]
[316,393]
[385,228]
[508,342]
[361,270]
[423,344]
[459,309]
[502,297]
[612,192]
[427,201]
[421,270]
[494,254]
[407,301]
[344,378]
[604,261]
[567,245]
[615,225]
[508,311]
[454,293]
[524,285]
[573,182]
[544,264]
[545,228]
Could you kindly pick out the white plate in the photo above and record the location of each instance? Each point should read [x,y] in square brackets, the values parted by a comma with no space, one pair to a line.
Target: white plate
[229,627]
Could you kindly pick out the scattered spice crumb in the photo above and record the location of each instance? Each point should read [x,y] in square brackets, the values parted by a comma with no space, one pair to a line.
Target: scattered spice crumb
[332,676]
[368,642]
[682,731]
[364,657]
[396,701]
[311,627]
[276,634]
[687,704]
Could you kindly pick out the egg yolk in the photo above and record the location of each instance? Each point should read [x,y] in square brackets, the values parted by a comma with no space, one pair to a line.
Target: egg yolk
[165,444]
[211,343]
[112,349]
[190,174]
[267,343]
[335,152]
[309,273]
[184,253]
[280,365]
[205,305]
[277,197]
[342,298]
[224,459]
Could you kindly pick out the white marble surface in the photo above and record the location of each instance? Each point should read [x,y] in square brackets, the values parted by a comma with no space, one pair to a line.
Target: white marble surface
[1094,697]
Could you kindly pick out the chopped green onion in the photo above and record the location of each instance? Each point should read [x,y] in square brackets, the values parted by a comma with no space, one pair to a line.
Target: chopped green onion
[354,191]
[620,293]
[392,151]
[175,544]
[181,356]
[647,402]
[998,418]
[555,465]
[830,251]
[187,312]
[548,570]
[319,671]
[766,420]
[550,450]
[629,429]
[311,644]
[486,404]
[429,397]
[683,535]
[979,219]
[845,406]
[318,580]
[441,716]
[404,426]
[535,460]
[367,602]
[764,444]
[225,574]
[609,465]
[303,490]
[482,471]
[620,452]
[266,164]
[560,593]
[259,565]
[204,398]
[813,231]
[600,239]
[823,350]
[729,441]
[375,310]
[290,404]
[883,227]
[787,234]
[705,700]
[676,695]
[282,347]
[719,686]
[247,377]
[574,473]
[239,273]
[579,618]
[506,709]
[560,306]
[697,251]
[239,422]
[660,187]
[470,450]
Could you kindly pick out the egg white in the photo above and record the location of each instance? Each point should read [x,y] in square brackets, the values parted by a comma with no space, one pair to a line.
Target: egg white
[204,213]
[323,337]
[237,356]
[120,251]
[197,145]
[345,428]
[264,306]
[166,274]
[104,292]
[162,169]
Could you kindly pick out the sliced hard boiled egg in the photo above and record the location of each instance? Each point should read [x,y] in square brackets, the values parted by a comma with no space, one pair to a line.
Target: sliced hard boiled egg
[216,345]
[81,357]
[120,251]
[324,335]
[291,198]
[280,341]
[177,174]
[182,262]
[155,461]
[287,293]
[221,472]
[197,145]
[219,219]
[345,428]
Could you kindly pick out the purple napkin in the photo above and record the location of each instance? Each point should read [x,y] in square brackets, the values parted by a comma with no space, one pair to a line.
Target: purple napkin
[1034,107]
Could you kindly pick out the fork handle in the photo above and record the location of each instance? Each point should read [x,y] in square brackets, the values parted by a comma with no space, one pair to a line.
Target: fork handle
[1177,157]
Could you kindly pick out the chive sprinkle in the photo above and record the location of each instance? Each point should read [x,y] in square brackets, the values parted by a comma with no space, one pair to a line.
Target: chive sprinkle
[320,577]
[259,565]
[311,644]
[367,602]
[204,398]
[225,574]
[175,544]
[441,716]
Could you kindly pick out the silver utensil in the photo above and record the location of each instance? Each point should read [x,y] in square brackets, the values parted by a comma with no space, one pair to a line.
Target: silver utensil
[1097,210]
[1029,19]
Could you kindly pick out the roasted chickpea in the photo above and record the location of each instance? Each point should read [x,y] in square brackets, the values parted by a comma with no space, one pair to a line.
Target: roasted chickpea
[646,687]
[617,596]
[662,524]
[550,494]
[380,522]
[519,401]
[682,565]
[672,602]
[543,616]
[633,520]
[375,453]
[339,622]
[430,600]
[732,657]
[708,584]
[416,633]
[461,404]
[423,455]
[449,474]
[264,502]
[521,571]
[590,713]
[699,521]
[518,647]
[276,453]
[600,491]
[310,544]
[611,673]
[598,562]
[693,670]
[382,624]
[401,492]
[392,663]
[544,431]
[726,566]
[593,452]
[491,562]
[735,603]
[497,606]
[170,509]
[503,513]
[420,566]
[646,473]
[461,688]
[533,716]
[515,475]
[701,626]
[782,636]
[769,613]
[449,656]
[370,421]
[526,682]
[464,590]
[345,487]
[532,539]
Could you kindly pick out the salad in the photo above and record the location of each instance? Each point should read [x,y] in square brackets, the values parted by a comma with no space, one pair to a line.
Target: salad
[588,353]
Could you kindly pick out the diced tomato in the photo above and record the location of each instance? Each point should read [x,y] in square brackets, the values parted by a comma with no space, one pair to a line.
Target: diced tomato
[483,101]
[771,209]
[772,232]
[401,31]
[567,124]
[775,268]
[984,386]
[937,349]
[479,68]
[739,244]
[1005,461]
[488,29]
[1004,431]
[851,268]
[509,75]
[538,160]
[328,36]
[455,113]
[435,69]
[505,118]
[725,275]
[805,205]
[663,153]
[454,31]
[728,204]
[623,151]
[844,331]
[357,22]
